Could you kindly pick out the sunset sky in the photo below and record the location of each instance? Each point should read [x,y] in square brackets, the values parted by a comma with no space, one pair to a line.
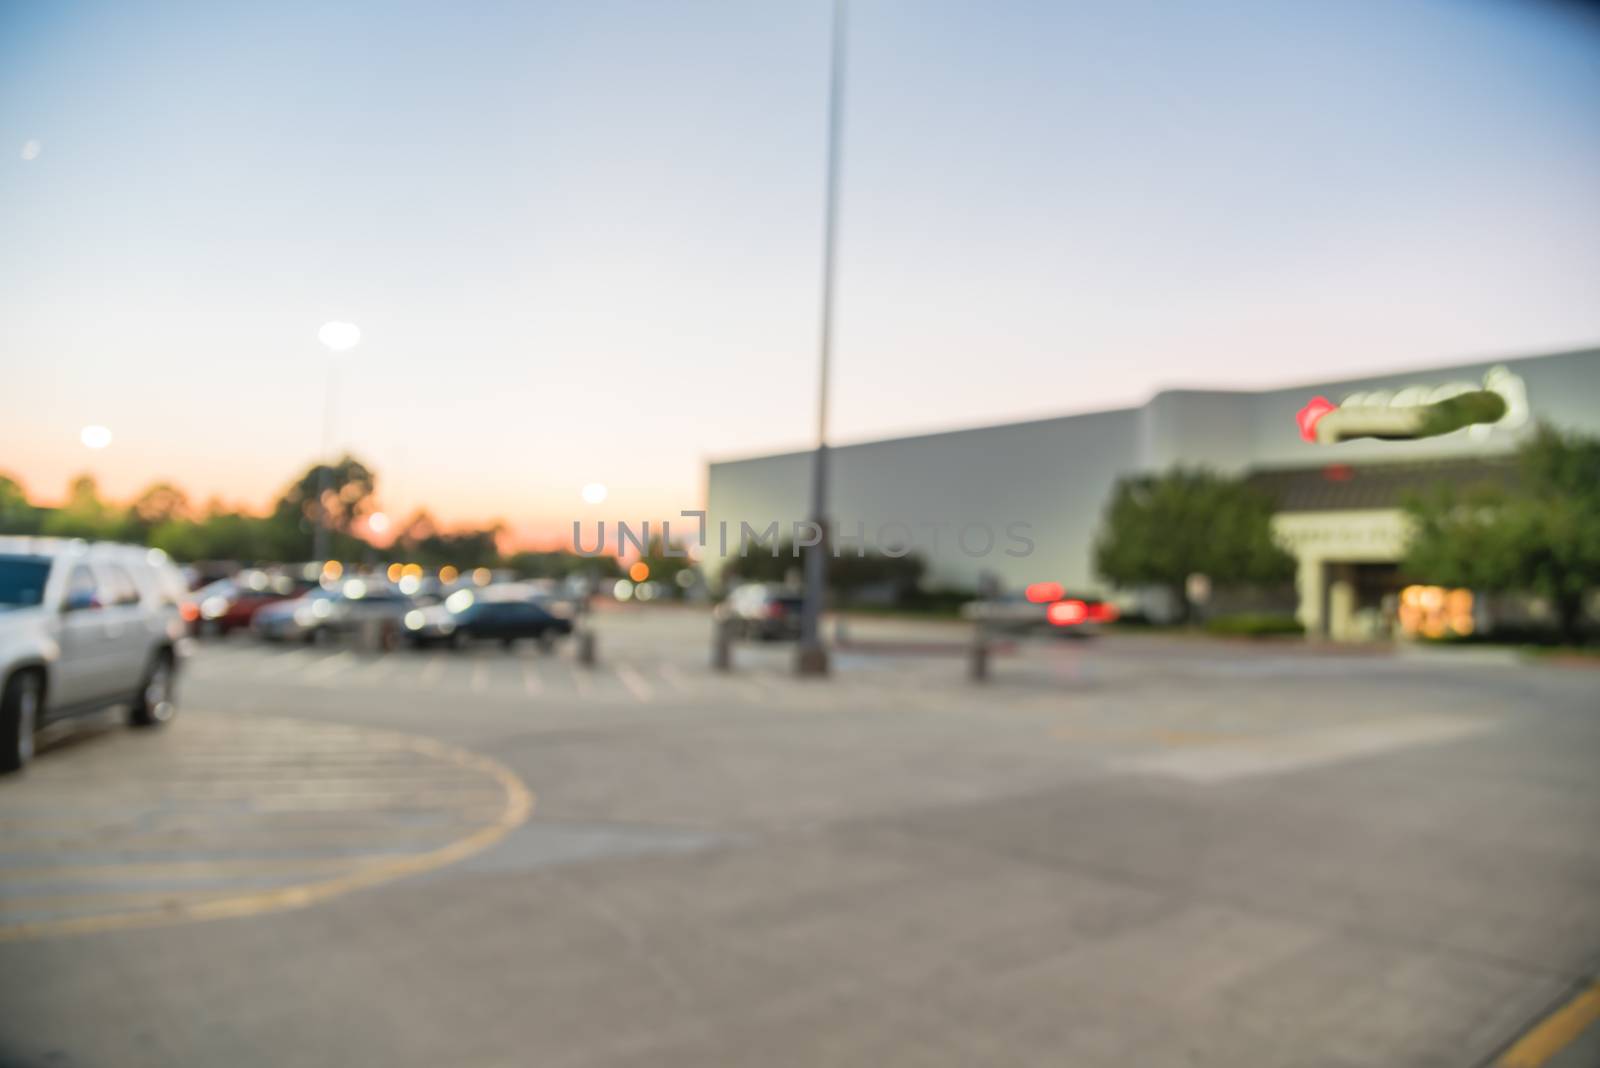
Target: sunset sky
[582,239]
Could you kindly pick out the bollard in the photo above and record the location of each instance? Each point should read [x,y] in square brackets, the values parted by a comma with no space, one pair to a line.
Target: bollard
[369,636]
[586,647]
[722,645]
[978,658]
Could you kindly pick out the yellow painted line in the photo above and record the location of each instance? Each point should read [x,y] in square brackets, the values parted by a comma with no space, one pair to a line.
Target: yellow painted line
[170,869]
[1555,1032]
[518,805]
[165,897]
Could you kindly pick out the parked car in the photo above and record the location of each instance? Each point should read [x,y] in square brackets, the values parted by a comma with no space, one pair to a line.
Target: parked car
[329,612]
[231,603]
[84,627]
[1043,606]
[763,611]
[506,620]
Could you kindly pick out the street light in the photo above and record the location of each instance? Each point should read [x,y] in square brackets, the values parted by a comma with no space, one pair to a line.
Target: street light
[336,337]
[812,657]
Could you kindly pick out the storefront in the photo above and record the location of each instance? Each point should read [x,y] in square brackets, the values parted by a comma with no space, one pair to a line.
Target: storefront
[1340,507]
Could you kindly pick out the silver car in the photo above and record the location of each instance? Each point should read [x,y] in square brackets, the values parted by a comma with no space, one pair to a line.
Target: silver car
[84,626]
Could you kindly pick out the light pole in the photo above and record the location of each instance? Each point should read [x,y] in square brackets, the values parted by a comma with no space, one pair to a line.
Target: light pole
[812,657]
[336,337]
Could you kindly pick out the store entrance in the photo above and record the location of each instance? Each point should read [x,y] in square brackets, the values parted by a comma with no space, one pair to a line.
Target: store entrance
[1361,600]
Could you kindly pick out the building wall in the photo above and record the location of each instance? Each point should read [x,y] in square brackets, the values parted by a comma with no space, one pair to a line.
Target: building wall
[1052,475]
[1057,474]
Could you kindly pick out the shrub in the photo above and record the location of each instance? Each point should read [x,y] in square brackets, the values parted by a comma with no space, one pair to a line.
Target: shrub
[1253,625]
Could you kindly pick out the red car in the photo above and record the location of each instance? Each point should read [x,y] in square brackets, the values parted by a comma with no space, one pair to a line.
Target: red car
[231,603]
[1045,605]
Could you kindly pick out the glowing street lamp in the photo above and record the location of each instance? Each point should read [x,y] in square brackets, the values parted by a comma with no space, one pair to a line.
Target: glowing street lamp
[95,437]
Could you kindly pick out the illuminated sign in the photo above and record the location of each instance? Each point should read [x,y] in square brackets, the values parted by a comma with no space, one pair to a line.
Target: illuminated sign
[1420,411]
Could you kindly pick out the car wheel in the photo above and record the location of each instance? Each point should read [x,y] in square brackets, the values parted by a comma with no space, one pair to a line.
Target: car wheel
[508,644]
[19,718]
[156,701]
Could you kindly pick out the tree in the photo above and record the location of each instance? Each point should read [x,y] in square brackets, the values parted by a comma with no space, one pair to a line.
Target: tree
[1541,537]
[84,515]
[422,540]
[350,485]
[1160,529]
[17,516]
[159,503]
[560,563]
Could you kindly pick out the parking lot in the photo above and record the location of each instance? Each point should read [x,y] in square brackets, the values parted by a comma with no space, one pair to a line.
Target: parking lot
[1134,850]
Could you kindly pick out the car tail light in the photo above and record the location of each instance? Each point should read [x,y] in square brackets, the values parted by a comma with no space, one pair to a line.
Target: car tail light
[189,611]
[1067,613]
[1044,592]
[1103,612]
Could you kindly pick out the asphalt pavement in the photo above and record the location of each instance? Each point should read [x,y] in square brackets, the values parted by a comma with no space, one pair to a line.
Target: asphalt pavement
[1129,851]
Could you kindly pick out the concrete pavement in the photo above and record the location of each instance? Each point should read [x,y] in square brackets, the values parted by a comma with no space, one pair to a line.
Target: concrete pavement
[1123,852]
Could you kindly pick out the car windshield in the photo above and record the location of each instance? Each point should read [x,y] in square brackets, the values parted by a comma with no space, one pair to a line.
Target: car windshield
[22,580]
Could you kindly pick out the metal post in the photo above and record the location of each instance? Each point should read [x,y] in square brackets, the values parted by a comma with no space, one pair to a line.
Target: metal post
[722,645]
[978,655]
[319,533]
[812,658]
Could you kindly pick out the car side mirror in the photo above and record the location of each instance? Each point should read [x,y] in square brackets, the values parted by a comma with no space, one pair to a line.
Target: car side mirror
[79,600]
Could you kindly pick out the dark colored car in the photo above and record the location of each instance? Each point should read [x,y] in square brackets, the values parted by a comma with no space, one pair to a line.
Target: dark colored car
[504,621]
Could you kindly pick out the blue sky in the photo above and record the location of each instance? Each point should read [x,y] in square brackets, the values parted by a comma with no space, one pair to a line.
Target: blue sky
[582,239]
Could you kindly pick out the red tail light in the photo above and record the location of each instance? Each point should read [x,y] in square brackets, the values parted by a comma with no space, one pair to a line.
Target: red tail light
[1067,613]
[1103,612]
[1044,592]
[189,611]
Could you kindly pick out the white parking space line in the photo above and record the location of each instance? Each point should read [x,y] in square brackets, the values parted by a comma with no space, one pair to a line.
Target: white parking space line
[635,683]
[1276,754]
[373,673]
[279,662]
[432,671]
[673,677]
[328,666]
[580,680]
[480,676]
[532,685]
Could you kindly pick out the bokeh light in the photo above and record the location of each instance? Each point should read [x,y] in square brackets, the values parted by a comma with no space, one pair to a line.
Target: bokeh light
[339,336]
[95,437]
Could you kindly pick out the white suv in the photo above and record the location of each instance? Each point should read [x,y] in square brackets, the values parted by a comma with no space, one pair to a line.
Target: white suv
[84,626]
